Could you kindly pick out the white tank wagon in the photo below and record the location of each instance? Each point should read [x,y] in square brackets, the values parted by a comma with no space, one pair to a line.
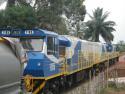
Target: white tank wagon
[10,69]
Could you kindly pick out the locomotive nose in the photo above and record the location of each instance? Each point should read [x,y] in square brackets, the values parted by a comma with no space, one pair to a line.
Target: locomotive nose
[34,64]
[31,55]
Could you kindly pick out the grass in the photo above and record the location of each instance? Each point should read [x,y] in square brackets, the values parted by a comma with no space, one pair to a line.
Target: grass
[20,92]
[112,87]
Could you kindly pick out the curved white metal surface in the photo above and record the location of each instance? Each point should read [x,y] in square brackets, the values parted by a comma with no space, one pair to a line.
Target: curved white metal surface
[9,70]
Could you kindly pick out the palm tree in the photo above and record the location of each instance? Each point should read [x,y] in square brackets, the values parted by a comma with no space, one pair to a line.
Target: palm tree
[99,26]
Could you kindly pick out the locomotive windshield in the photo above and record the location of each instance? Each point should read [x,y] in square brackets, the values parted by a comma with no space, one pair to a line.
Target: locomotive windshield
[32,44]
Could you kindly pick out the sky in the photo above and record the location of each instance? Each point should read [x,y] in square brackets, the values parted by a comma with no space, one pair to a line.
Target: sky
[117,14]
[3,5]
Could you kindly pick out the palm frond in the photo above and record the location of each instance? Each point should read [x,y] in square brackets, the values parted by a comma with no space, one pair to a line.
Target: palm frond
[99,26]
[107,35]
[90,16]
[104,16]
[109,23]
[110,29]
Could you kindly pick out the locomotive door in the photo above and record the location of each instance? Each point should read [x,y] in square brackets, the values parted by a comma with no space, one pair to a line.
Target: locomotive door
[52,48]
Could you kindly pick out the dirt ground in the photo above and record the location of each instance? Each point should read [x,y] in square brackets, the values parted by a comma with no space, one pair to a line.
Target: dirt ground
[114,92]
[111,92]
[121,63]
[120,66]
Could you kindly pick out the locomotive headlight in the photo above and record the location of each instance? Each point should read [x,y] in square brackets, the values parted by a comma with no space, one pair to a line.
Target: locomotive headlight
[39,64]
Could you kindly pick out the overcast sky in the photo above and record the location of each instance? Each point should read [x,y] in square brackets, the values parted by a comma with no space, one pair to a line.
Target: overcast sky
[3,5]
[117,14]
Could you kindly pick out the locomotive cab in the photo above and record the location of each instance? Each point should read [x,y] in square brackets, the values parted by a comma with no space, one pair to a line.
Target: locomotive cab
[47,45]
[42,53]
[45,55]
[41,48]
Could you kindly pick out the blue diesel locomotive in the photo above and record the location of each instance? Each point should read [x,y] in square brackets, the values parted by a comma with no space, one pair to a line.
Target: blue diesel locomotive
[54,61]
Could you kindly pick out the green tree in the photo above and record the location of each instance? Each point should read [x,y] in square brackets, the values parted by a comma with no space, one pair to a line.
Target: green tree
[11,3]
[75,12]
[98,25]
[18,17]
[49,13]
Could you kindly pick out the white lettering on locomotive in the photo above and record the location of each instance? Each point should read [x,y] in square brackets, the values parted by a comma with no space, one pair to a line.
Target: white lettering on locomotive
[52,67]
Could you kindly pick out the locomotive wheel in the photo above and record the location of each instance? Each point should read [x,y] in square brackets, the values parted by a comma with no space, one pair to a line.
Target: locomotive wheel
[69,81]
[55,87]
[47,91]
[51,88]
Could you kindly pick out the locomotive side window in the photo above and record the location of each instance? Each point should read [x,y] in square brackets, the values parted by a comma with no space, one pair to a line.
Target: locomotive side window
[52,46]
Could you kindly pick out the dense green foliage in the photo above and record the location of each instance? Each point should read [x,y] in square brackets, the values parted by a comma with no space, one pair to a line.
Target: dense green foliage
[46,14]
[75,12]
[18,16]
[98,25]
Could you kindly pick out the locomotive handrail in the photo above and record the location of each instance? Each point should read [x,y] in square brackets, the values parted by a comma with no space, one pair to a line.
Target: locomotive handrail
[95,59]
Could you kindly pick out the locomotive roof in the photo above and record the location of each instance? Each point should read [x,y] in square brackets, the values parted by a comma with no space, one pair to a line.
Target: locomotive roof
[63,41]
[36,32]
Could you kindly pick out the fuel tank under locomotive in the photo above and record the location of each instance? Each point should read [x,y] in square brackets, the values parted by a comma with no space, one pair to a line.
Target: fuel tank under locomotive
[9,69]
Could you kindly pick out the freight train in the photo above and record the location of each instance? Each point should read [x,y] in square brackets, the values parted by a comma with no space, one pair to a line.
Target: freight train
[54,61]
